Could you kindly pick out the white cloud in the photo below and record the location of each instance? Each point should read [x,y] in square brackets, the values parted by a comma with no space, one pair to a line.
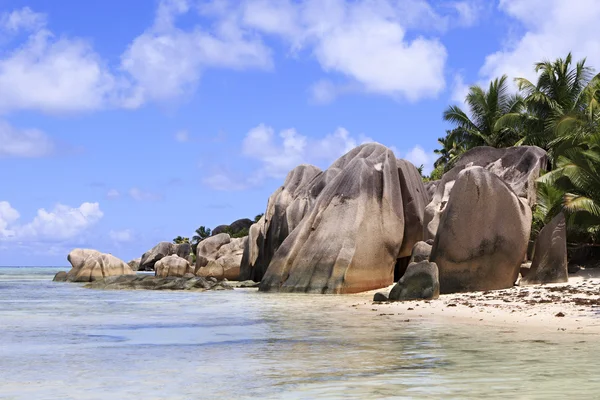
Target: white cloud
[23,19]
[182,136]
[113,194]
[8,215]
[142,195]
[277,154]
[419,157]
[61,223]
[125,235]
[166,62]
[552,29]
[29,143]
[363,40]
[51,73]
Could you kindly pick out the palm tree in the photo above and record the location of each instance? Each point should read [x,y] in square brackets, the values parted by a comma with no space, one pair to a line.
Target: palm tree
[201,234]
[485,109]
[577,174]
[553,106]
[451,149]
[181,239]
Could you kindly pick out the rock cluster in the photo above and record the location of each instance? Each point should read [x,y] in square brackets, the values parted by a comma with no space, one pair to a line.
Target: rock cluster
[149,282]
[161,250]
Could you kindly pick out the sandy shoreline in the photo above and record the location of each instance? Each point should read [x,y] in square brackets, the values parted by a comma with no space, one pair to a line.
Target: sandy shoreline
[572,307]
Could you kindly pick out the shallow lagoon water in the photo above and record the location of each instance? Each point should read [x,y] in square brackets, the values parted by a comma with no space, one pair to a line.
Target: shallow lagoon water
[61,341]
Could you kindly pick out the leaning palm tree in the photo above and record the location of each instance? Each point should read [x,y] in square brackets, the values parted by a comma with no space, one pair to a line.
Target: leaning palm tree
[479,127]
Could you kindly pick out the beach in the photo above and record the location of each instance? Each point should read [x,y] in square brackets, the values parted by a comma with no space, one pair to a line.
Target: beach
[572,307]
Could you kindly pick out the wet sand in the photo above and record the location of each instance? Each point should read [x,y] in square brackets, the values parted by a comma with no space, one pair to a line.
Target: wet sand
[572,307]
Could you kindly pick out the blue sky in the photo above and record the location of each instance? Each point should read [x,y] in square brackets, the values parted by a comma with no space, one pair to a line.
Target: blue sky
[124,123]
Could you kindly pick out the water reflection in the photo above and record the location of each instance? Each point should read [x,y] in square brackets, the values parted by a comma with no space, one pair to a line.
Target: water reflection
[62,341]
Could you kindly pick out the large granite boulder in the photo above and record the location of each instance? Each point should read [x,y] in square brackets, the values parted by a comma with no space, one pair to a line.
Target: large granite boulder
[89,265]
[420,282]
[220,257]
[161,250]
[172,265]
[549,264]
[483,234]
[351,237]
[280,219]
[135,264]
[518,167]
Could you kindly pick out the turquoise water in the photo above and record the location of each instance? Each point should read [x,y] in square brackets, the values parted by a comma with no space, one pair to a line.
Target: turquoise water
[61,341]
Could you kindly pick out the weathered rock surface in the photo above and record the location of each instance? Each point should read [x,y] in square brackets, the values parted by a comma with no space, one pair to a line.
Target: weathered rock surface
[421,281]
[220,257]
[244,284]
[420,252]
[549,264]
[60,276]
[149,282]
[135,264]
[172,265]
[483,234]
[286,208]
[89,265]
[161,250]
[350,239]
[518,167]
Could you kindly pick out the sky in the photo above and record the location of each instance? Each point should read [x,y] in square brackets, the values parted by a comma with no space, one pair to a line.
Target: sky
[126,123]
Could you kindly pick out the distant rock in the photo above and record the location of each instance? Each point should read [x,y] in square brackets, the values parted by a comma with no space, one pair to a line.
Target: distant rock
[220,257]
[135,264]
[149,282]
[172,265]
[483,234]
[351,236]
[518,167]
[161,250]
[420,282]
[89,265]
[234,228]
[60,277]
[549,264]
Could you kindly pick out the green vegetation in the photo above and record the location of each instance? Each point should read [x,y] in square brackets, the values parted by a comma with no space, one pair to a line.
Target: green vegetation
[181,239]
[560,113]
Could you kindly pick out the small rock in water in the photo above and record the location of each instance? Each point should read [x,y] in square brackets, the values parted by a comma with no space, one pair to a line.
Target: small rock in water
[60,277]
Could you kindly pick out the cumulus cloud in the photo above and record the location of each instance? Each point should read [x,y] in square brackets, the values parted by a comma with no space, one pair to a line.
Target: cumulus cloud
[278,153]
[51,73]
[28,143]
[551,28]
[60,223]
[365,41]
[166,62]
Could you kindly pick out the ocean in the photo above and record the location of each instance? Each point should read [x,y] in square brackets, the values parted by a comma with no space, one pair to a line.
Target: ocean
[62,341]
